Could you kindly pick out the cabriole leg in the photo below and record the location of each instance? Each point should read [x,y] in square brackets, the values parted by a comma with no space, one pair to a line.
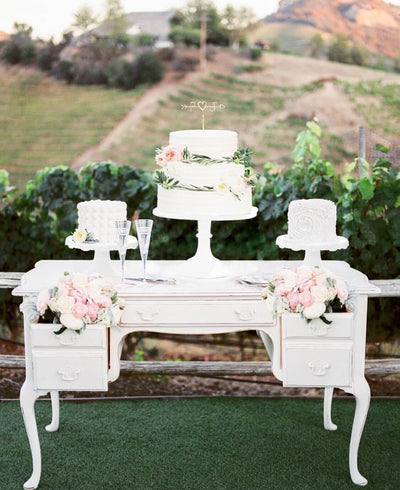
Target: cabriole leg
[328,394]
[28,398]
[55,411]
[362,394]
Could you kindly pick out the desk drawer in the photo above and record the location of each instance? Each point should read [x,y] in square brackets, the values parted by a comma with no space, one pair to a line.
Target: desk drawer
[70,370]
[42,335]
[196,312]
[293,326]
[316,365]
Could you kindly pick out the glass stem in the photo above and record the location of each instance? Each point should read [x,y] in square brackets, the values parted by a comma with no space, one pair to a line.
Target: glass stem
[144,258]
[122,256]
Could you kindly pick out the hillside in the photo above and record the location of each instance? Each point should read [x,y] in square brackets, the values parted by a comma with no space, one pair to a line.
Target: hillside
[373,23]
[49,123]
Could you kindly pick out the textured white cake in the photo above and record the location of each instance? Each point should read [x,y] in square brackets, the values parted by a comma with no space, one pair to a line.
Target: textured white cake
[99,217]
[211,188]
[312,220]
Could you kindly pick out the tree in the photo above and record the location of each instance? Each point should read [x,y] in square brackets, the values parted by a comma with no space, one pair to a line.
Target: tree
[189,17]
[236,21]
[84,19]
[115,17]
[358,55]
[316,45]
[339,49]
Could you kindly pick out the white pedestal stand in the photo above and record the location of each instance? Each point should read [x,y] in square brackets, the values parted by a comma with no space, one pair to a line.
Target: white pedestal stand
[203,264]
[101,262]
[312,255]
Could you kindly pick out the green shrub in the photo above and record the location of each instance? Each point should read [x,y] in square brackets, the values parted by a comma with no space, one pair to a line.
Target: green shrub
[149,68]
[255,53]
[64,70]
[186,35]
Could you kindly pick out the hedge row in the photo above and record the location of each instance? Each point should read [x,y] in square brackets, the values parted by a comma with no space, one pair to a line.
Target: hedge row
[35,223]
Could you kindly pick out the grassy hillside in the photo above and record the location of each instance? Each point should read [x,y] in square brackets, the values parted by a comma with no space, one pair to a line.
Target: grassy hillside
[46,123]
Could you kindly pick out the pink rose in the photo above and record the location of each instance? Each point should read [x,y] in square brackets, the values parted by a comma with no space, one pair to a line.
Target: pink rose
[160,160]
[92,311]
[172,154]
[105,301]
[294,300]
[78,295]
[80,310]
[306,298]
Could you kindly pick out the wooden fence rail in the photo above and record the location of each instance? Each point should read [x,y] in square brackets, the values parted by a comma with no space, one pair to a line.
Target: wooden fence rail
[376,367]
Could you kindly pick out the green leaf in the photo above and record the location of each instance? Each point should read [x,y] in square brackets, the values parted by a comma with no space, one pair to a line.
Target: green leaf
[366,188]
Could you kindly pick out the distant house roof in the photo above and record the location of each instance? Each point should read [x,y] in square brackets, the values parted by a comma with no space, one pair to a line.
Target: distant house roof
[154,23]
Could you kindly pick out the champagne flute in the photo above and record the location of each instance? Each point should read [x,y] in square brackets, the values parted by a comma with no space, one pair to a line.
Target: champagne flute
[122,229]
[143,230]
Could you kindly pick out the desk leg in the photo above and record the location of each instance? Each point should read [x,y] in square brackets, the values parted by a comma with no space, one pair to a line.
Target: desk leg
[55,410]
[362,394]
[28,398]
[328,394]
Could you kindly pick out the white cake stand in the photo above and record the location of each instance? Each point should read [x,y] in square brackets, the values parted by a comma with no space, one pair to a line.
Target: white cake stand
[203,264]
[312,255]
[101,262]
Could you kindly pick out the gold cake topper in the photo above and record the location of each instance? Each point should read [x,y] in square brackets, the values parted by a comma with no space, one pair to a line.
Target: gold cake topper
[202,105]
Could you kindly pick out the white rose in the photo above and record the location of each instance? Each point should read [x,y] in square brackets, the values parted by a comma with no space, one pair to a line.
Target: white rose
[288,280]
[314,311]
[320,294]
[65,304]
[270,302]
[173,169]
[70,321]
[238,186]
[304,272]
[79,280]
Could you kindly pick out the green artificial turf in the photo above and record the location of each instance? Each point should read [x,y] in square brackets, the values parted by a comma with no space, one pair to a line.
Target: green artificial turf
[201,443]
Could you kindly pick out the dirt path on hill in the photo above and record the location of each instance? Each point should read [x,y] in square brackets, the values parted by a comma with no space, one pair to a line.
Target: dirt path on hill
[330,104]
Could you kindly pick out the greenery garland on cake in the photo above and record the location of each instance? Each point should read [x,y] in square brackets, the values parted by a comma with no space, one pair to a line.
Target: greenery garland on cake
[169,154]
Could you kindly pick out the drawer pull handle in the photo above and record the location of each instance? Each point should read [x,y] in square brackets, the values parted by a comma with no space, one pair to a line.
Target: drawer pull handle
[69,337]
[147,315]
[319,368]
[70,374]
[245,315]
[319,329]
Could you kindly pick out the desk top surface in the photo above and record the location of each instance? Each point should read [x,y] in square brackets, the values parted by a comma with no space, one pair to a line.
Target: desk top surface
[47,272]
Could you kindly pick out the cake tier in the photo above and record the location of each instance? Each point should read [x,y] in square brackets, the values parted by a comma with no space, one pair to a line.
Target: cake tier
[312,220]
[196,203]
[99,217]
[196,174]
[214,143]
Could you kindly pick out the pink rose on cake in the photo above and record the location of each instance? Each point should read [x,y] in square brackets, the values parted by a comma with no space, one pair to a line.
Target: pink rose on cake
[168,154]
[310,291]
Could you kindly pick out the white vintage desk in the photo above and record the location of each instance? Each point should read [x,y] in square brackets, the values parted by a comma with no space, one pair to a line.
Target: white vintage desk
[89,361]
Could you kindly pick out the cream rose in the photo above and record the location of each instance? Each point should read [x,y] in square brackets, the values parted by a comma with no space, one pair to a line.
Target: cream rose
[314,311]
[68,320]
[65,304]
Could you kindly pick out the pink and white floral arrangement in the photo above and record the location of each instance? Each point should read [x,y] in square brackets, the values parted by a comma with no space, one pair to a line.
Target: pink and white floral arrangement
[310,291]
[80,299]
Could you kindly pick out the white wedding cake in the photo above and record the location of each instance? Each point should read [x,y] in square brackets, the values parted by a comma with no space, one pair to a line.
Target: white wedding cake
[202,174]
[98,218]
[312,220]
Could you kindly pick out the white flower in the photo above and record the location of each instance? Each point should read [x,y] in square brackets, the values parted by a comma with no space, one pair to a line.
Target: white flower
[320,294]
[79,280]
[79,236]
[222,188]
[173,169]
[270,302]
[314,311]
[116,314]
[237,186]
[65,304]
[68,320]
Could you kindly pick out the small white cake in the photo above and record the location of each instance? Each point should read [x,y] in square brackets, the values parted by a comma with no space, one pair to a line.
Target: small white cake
[214,186]
[312,220]
[98,218]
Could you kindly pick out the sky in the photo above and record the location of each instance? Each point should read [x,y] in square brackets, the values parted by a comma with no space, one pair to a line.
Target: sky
[52,17]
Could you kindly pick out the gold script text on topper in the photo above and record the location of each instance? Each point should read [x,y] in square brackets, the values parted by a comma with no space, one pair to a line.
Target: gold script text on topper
[202,105]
